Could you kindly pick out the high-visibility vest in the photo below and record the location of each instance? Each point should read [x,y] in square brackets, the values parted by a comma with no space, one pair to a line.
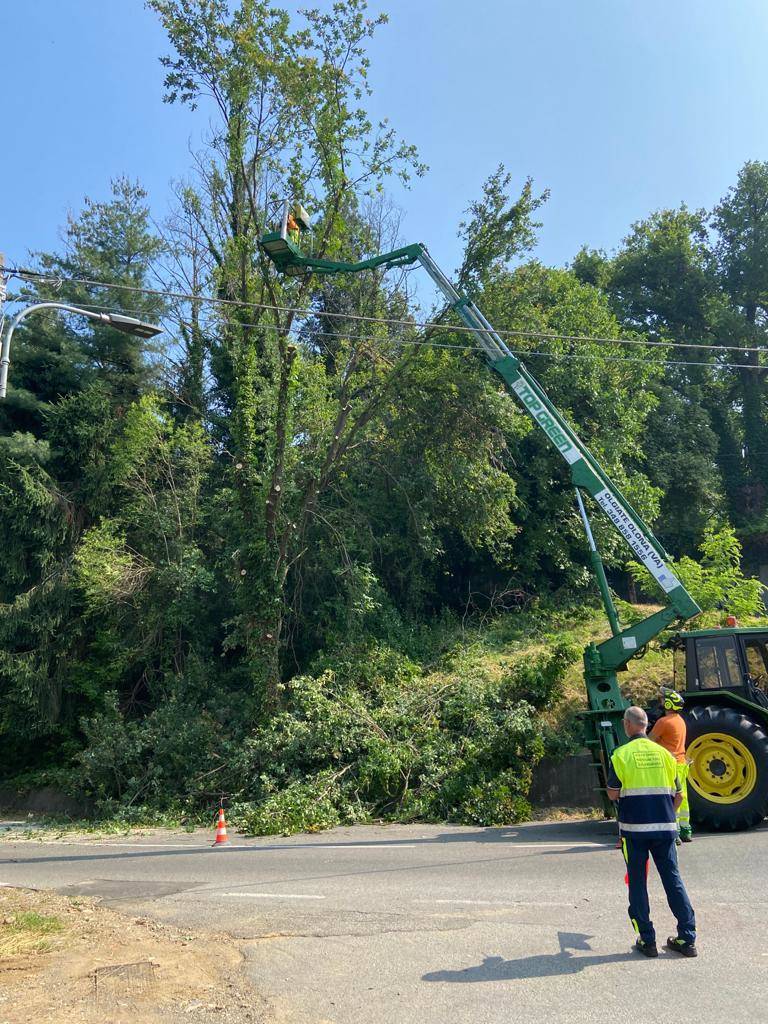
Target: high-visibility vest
[648,776]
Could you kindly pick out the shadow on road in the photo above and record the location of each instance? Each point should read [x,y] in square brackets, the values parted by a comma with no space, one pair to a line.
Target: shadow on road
[547,832]
[545,965]
[573,837]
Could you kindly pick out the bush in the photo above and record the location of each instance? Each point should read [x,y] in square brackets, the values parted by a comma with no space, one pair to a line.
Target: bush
[369,734]
[716,582]
[300,807]
[172,756]
[378,739]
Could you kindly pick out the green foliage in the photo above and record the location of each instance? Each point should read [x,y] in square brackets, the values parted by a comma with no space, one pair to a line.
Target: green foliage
[716,581]
[497,230]
[378,738]
[694,279]
[55,354]
[290,120]
[242,574]
[607,400]
[104,567]
[173,756]
[300,807]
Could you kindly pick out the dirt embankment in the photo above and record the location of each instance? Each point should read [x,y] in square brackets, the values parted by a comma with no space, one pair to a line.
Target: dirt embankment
[65,960]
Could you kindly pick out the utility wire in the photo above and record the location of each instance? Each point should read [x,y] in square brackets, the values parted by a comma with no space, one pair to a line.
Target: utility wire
[51,318]
[351,336]
[168,363]
[306,313]
[415,343]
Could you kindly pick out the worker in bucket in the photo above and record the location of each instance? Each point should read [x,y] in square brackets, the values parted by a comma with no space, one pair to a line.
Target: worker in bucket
[294,231]
[643,778]
[669,731]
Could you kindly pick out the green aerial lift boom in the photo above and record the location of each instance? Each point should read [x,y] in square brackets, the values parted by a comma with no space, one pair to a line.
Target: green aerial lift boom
[602,661]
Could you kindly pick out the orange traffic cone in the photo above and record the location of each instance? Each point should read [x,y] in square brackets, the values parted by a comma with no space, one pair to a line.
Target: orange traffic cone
[221,829]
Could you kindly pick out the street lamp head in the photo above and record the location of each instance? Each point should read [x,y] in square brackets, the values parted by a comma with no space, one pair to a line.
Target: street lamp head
[126,324]
[130,325]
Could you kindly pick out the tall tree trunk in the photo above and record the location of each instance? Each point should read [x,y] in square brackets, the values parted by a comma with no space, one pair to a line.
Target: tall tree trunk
[755,434]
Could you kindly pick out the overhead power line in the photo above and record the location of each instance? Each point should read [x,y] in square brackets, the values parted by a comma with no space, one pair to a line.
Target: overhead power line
[430,343]
[306,313]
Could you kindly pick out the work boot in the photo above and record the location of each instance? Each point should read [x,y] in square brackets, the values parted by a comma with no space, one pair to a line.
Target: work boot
[675,945]
[646,948]
[686,836]
[678,841]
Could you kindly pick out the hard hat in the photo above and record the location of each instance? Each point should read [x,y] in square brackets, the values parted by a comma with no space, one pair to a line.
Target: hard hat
[672,700]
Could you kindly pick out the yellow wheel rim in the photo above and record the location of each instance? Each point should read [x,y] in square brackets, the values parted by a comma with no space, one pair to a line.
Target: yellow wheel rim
[722,768]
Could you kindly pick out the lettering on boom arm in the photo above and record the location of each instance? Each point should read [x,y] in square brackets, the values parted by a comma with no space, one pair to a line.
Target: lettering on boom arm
[637,540]
[546,420]
[608,501]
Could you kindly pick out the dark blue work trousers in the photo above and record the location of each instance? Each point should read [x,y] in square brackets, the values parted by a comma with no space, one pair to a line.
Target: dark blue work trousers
[661,846]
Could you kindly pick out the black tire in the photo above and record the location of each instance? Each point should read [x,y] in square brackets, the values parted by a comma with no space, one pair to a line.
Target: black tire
[750,733]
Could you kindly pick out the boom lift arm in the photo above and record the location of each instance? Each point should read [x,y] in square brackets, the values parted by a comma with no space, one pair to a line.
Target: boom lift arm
[601,661]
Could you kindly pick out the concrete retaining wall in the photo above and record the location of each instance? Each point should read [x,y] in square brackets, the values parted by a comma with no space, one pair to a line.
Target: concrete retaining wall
[44,801]
[567,783]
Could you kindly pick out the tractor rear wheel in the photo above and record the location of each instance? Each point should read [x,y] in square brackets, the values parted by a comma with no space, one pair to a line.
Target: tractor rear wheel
[728,776]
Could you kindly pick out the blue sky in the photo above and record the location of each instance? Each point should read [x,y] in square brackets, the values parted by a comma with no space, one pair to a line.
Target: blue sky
[619,107]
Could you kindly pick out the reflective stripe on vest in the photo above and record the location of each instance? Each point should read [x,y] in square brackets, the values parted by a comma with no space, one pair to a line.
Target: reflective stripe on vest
[648,826]
[648,791]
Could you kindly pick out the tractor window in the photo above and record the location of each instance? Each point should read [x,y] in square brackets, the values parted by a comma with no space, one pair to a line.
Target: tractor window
[718,663]
[757,662]
[681,682]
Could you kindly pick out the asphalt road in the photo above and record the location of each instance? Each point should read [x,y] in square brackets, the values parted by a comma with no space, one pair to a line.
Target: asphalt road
[425,924]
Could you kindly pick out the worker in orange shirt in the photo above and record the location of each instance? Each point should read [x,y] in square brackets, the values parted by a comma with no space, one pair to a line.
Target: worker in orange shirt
[294,232]
[669,732]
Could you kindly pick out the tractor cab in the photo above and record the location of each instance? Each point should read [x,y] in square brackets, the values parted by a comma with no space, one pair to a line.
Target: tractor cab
[731,660]
[722,675]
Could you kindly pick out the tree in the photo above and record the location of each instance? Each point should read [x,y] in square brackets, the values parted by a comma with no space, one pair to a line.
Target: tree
[715,580]
[741,222]
[55,354]
[663,283]
[71,385]
[605,398]
[288,122]
[698,282]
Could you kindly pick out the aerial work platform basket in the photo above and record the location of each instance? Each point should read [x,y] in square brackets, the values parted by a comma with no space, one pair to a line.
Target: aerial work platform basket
[286,256]
[290,259]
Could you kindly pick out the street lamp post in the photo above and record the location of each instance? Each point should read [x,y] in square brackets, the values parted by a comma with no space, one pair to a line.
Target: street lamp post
[126,324]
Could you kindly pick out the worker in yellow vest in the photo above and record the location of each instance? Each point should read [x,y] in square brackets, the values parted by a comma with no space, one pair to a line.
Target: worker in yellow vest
[670,732]
[643,777]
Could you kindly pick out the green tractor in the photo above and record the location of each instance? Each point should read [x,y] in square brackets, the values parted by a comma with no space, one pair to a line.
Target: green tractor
[722,675]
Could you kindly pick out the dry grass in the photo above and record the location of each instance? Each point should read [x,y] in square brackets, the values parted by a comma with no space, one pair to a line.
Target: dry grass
[567,814]
[28,932]
[494,651]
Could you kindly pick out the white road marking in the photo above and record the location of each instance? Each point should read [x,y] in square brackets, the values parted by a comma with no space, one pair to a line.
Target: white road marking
[500,903]
[512,845]
[108,844]
[209,846]
[348,846]
[273,895]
